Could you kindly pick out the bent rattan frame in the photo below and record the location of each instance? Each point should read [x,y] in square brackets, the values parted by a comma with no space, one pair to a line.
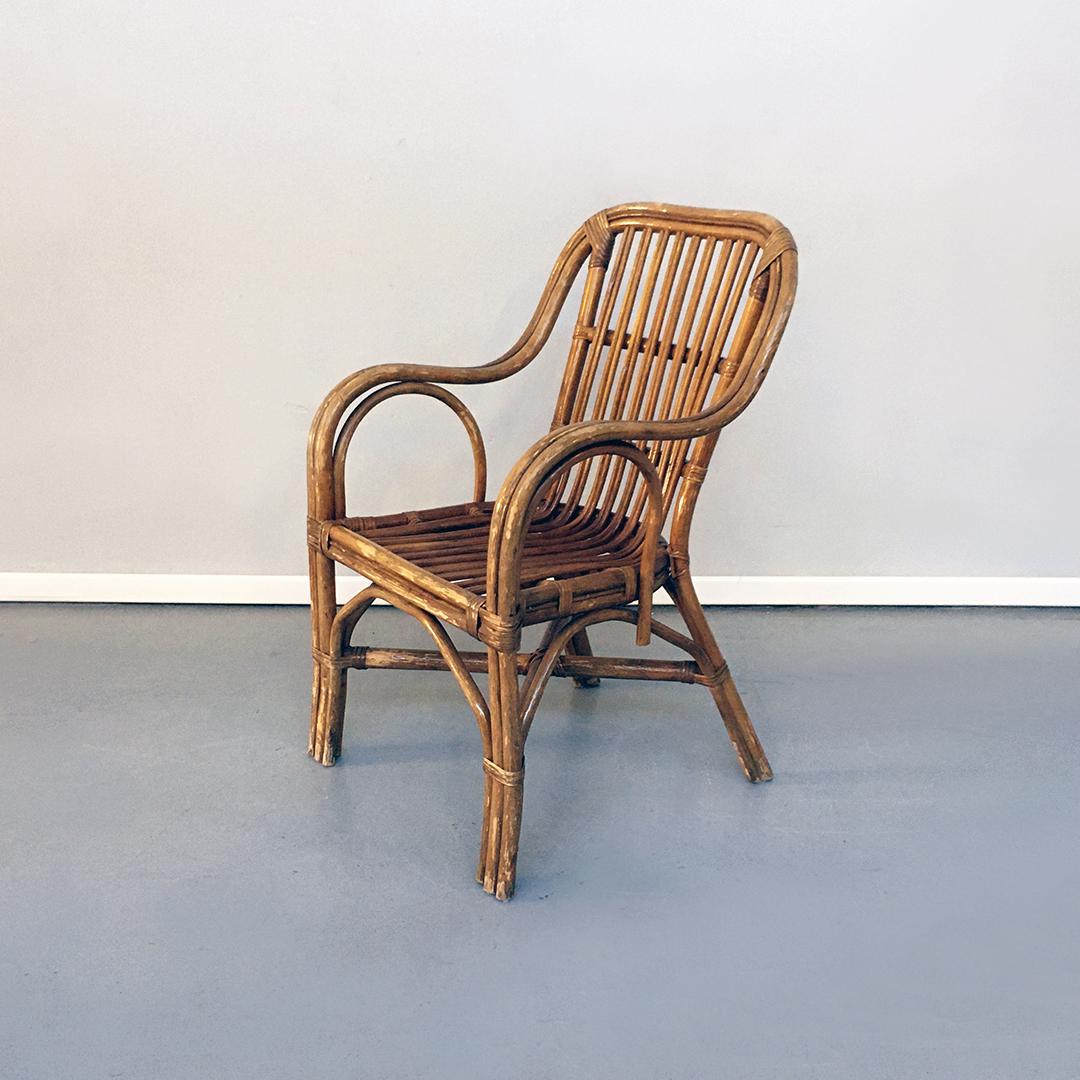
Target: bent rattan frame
[680,314]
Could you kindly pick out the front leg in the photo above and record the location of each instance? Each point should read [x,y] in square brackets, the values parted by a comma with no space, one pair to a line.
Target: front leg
[328,681]
[504,778]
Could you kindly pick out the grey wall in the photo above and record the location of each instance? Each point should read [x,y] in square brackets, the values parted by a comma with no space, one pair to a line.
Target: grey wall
[209,213]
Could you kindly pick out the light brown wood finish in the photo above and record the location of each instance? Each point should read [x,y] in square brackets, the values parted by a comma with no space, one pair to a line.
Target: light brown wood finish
[681,312]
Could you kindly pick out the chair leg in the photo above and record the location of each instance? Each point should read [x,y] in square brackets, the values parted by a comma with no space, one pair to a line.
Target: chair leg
[504,778]
[722,686]
[329,713]
[328,681]
[579,646]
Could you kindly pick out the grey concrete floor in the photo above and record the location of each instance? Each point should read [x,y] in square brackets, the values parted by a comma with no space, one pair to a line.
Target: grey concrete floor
[184,894]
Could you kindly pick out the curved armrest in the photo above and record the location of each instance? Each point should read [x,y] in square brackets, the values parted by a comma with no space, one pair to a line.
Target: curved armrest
[432,390]
[324,463]
[328,416]
[521,494]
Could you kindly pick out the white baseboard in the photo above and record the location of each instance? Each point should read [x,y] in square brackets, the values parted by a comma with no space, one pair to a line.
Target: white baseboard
[293,589]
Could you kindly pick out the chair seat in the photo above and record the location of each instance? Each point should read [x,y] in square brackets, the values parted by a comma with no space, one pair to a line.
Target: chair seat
[572,559]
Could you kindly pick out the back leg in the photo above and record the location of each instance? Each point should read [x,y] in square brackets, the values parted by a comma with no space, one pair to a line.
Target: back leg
[579,645]
[721,685]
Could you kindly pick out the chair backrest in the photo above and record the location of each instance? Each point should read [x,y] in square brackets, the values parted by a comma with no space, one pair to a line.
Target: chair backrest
[681,312]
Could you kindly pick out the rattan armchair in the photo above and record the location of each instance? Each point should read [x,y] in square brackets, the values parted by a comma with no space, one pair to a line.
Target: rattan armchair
[681,312]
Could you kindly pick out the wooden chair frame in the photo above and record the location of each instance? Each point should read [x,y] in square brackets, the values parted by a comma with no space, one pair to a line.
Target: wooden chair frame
[574,537]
